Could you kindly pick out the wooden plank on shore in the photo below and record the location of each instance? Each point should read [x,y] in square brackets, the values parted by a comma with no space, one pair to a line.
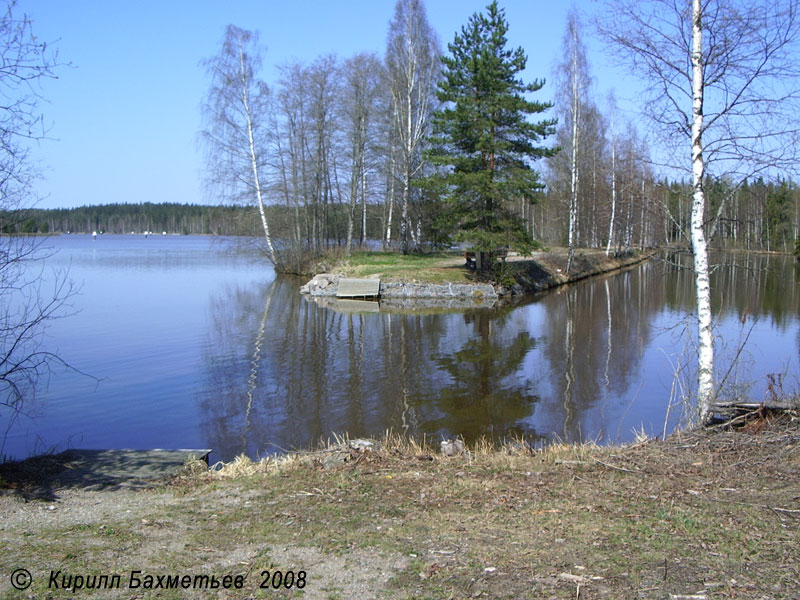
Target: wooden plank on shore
[359,288]
[745,406]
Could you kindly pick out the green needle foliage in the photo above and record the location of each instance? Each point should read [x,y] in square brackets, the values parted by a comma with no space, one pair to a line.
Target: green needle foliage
[483,138]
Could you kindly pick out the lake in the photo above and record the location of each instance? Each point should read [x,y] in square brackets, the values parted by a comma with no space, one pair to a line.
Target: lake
[193,343]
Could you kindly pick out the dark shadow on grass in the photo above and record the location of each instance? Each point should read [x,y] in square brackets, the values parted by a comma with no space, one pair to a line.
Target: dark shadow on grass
[42,477]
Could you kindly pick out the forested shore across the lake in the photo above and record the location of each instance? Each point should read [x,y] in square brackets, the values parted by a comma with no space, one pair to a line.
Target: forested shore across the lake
[171,217]
[127,218]
[757,216]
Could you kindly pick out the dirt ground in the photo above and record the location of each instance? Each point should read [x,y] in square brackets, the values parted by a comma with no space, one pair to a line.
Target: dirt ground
[706,514]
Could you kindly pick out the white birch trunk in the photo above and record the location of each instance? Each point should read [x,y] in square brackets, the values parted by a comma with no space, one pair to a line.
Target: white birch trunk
[363,238]
[350,215]
[613,187]
[574,180]
[388,239]
[253,156]
[642,223]
[705,338]
[404,224]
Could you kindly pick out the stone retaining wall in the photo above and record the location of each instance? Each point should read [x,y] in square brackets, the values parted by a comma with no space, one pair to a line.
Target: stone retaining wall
[326,284]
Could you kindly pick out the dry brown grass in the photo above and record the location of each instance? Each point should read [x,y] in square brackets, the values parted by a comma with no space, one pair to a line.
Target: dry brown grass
[708,514]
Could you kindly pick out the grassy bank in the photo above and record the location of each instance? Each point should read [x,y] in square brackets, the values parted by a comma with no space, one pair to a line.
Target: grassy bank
[438,267]
[705,514]
[540,271]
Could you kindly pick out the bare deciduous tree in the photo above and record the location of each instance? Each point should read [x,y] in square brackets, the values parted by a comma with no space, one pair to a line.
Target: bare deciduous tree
[362,76]
[290,133]
[412,62]
[236,114]
[573,81]
[323,86]
[722,75]
[26,306]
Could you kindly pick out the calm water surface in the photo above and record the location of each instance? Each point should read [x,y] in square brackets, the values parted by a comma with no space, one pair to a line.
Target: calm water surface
[196,345]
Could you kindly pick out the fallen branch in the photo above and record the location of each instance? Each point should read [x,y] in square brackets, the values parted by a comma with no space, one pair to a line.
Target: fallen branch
[623,469]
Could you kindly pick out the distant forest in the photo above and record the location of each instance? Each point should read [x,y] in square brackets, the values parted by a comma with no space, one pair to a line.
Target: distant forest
[131,218]
[757,215]
[173,218]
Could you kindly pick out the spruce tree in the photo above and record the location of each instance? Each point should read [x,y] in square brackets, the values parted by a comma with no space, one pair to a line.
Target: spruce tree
[483,139]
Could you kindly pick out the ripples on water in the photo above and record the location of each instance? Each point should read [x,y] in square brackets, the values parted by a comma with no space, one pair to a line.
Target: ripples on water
[196,345]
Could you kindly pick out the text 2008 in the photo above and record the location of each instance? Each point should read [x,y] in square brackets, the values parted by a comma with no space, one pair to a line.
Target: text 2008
[278,579]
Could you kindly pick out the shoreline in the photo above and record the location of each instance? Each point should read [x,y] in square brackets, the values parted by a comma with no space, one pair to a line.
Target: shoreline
[530,275]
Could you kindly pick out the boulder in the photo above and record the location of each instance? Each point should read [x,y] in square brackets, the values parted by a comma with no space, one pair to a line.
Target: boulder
[324,284]
[452,447]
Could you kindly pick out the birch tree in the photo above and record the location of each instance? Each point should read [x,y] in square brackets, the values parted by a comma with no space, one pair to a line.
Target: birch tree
[722,77]
[594,168]
[322,84]
[361,104]
[612,107]
[412,62]
[292,135]
[288,137]
[235,113]
[574,81]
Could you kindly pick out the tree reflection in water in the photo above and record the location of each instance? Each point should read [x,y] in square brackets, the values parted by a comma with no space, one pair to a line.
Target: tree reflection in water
[289,372]
[487,394]
[589,361]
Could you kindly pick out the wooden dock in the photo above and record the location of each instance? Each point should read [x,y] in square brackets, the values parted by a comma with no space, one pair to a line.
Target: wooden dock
[359,288]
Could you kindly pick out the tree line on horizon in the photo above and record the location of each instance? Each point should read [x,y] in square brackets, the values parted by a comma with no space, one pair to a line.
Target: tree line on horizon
[170,217]
[761,215]
[133,218]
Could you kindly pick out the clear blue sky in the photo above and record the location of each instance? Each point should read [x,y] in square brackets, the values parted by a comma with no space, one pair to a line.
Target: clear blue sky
[124,117]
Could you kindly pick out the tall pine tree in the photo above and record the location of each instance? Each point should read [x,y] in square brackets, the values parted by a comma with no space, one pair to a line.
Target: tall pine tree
[483,138]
